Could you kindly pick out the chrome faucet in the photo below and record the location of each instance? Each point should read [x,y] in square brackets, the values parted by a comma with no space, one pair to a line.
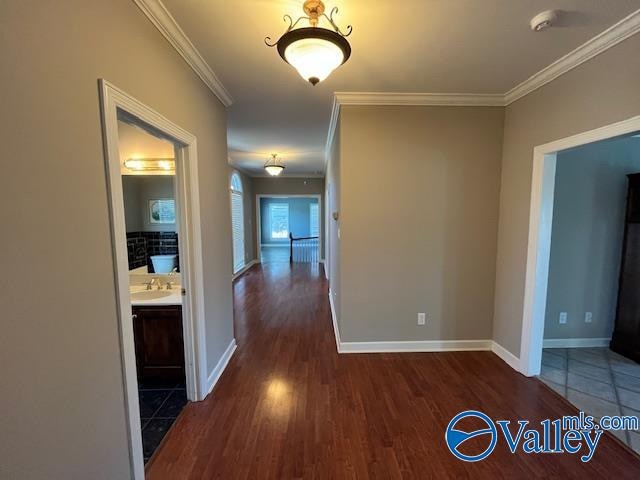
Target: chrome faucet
[150,283]
[169,285]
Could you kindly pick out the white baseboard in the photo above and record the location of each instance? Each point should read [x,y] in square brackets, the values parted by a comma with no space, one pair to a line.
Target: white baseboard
[421,345]
[415,346]
[244,269]
[508,357]
[575,342]
[214,376]
[334,318]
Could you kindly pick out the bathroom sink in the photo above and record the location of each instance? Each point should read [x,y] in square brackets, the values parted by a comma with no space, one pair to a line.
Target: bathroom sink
[150,294]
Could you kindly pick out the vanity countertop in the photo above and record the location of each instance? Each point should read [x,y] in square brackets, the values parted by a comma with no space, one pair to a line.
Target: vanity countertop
[140,296]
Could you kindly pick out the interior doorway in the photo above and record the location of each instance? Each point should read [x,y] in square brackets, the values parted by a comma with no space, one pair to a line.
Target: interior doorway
[289,228]
[540,231]
[155,225]
[153,252]
[592,309]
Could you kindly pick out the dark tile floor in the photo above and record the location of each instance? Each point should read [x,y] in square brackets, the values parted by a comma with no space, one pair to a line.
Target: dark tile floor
[159,408]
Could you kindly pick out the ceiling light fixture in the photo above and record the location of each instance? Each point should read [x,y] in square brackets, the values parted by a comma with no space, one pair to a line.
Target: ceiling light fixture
[315,52]
[273,166]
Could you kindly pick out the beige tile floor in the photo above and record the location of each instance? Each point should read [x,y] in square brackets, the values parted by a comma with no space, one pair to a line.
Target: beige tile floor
[597,381]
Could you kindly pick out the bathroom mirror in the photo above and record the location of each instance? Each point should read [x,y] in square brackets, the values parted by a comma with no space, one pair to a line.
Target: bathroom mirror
[149,201]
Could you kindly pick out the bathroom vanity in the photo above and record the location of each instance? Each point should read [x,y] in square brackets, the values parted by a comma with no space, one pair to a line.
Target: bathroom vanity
[157,327]
[159,343]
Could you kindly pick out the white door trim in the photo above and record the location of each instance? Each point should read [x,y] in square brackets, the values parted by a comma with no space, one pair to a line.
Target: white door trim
[188,205]
[539,244]
[259,196]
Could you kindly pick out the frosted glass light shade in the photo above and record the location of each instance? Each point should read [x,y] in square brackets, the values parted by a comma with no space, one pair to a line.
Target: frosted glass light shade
[314,52]
[274,170]
[314,58]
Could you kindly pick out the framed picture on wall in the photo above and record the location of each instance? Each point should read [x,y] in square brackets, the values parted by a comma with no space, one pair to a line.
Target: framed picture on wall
[162,210]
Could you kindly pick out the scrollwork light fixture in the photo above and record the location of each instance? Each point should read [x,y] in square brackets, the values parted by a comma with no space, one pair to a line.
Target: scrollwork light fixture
[313,51]
[273,166]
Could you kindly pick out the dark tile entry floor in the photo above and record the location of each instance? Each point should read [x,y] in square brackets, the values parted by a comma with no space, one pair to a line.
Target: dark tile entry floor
[159,408]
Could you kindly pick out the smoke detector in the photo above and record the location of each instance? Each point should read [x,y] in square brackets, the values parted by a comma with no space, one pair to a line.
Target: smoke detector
[544,20]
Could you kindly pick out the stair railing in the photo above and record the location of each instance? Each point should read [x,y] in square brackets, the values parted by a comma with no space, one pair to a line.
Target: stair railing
[303,249]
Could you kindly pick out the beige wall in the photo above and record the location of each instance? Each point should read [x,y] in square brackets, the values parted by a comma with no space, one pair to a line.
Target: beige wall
[599,92]
[419,191]
[333,257]
[586,242]
[62,396]
[288,186]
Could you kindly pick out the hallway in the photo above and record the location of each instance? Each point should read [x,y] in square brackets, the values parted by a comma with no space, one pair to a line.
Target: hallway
[288,406]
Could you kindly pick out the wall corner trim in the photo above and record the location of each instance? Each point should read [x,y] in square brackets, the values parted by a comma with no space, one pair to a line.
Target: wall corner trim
[167,25]
[625,28]
[215,374]
[334,319]
[333,123]
[506,356]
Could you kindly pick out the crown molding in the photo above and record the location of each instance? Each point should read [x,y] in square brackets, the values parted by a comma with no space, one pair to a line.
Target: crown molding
[625,28]
[445,99]
[167,25]
[384,98]
[615,34]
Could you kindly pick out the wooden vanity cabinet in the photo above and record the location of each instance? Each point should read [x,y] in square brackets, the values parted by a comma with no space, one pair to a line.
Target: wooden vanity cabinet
[159,344]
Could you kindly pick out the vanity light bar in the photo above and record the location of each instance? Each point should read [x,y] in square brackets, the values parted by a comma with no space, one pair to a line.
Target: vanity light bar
[150,164]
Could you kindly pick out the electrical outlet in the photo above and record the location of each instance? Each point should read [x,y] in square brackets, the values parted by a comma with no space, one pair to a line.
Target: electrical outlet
[588,317]
[422,318]
[563,318]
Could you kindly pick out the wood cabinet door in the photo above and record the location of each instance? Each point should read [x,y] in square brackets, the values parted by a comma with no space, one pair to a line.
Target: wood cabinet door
[159,344]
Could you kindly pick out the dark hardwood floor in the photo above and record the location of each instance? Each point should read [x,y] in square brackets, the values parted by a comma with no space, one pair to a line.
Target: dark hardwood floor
[288,406]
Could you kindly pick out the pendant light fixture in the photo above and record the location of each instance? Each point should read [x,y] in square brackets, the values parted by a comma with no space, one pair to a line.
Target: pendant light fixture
[273,166]
[314,51]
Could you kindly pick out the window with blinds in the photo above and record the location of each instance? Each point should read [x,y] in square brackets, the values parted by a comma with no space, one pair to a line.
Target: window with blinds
[237,222]
[314,220]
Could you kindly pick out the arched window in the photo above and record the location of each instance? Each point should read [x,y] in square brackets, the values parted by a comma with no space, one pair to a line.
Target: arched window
[237,221]
[236,183]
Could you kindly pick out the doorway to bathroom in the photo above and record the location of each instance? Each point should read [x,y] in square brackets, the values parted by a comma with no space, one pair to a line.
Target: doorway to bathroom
[153,252]
[153,192]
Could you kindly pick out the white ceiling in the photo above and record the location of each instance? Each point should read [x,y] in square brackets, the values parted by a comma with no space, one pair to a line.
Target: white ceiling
[436,46]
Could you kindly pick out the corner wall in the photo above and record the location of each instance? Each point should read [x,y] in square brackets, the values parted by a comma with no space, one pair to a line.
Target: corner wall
[63,401]
[599,92]
[332,191]
[419,192]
